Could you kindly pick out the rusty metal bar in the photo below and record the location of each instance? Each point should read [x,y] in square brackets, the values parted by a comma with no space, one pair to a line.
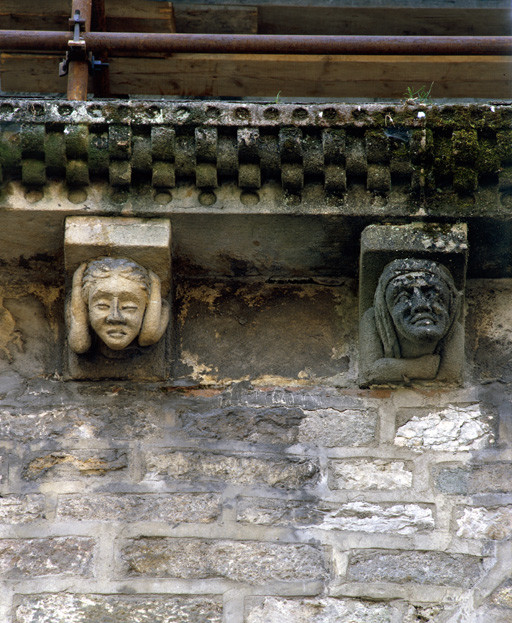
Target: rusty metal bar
[166,43]
[78,72]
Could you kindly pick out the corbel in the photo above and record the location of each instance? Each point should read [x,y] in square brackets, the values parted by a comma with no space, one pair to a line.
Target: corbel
[118,278]
[411,296]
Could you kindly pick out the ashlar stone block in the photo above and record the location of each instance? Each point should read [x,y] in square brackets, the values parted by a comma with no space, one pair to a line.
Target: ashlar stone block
[456,428]
[176,507]
[272,471]
[420,567]
[242,561]
[29,558]
[317,610]
[367,474]
[78,608]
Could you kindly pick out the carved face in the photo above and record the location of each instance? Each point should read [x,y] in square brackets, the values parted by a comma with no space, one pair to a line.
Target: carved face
[116,310]
[419,304]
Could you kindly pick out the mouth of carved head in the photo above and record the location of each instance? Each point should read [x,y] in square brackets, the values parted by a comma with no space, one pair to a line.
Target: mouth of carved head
[423,319]
[116,333]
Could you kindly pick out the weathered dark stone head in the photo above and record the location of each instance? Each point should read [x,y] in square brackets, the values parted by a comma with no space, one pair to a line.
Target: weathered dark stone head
[416,305]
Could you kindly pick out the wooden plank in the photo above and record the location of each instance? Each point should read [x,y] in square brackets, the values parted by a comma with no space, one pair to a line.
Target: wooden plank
[60,22]
[216,19]
[155,16]
[121,15]
[217,75]
[31,73]
[382,21]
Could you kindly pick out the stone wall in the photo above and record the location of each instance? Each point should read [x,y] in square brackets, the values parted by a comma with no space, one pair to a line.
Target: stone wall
[260,484]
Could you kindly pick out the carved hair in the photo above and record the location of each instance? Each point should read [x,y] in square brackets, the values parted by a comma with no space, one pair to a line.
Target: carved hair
[383,319]
[104,267]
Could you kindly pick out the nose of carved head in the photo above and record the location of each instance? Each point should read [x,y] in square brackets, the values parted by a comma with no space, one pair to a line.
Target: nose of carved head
[115,316]
[419,301]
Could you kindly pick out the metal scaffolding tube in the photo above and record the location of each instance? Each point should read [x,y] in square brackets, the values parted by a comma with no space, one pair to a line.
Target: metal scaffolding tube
[167,43]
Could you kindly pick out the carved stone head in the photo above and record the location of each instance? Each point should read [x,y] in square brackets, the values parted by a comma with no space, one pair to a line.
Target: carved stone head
[119,300]
[416,304]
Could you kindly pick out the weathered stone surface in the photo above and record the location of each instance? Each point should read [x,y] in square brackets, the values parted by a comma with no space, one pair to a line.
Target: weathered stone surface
[279,610]
[333,428]
[480,523]
[144,241]
[306,398]
[79,422]
[243,561]
[3,464]
[65,608]
[287,425]
[370,474]
[495,615]
[241,330]
[171,508]
[278,512]
[423,614]
[452,479]
[23,558]
[16,509]
[488,327]
[262,425]
[271,471]
[502,596]
[354,516]
[456,428]
[483,478]
[75,463]
[375,518]
[377,565]
[490,477]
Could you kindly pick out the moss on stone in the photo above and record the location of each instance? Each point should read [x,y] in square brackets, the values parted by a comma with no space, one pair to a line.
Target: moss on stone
[488,160]
[55,150]
[10,149]
[443,157]
[465,146]
[504,145]
[33,172]
[377,146]
[77,173]
[465,179]
[422,146]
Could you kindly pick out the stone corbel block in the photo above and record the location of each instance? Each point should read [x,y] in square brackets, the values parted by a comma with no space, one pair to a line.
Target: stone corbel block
[412,280]
[118,278]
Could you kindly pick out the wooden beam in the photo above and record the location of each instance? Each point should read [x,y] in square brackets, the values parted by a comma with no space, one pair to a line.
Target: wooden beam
[382,21]
[121,15]
[156,16]
[238,75]
[226,19]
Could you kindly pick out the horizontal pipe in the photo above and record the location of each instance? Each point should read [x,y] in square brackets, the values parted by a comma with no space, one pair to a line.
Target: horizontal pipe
[166,43]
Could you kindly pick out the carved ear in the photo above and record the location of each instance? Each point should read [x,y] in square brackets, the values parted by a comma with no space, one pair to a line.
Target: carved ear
[156,316]
[79,338]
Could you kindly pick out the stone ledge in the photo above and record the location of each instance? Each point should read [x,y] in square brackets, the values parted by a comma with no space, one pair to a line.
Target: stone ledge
[427,151]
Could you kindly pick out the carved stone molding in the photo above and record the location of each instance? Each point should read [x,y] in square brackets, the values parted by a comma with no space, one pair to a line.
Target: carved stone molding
[430,152]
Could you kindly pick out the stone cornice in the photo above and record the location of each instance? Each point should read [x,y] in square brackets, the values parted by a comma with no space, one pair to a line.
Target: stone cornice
[405,155]
[276,190]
